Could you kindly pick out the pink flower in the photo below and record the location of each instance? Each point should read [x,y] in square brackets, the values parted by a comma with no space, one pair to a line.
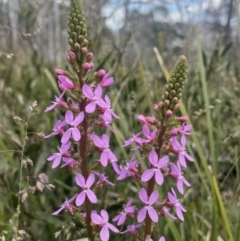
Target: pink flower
[130,170]
[148,202]
[181,150]
[103,146]
[165,211]
[174,202]
[85,185]
[74,123]
[57,129]
[65,83]
[69,162]
[56,157]
[93,97]
[102,222]
[132,228]
[66,205]
[56,102]
[106,81]
[157,165]
[184,130]
[128,211]
[176,173]
[102,179]
[149,135]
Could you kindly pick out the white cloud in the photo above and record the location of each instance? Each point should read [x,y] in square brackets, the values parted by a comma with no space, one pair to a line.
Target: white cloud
[203,5]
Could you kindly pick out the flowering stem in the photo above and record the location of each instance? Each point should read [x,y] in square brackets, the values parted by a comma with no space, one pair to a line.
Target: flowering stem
[151,182]
[83,154]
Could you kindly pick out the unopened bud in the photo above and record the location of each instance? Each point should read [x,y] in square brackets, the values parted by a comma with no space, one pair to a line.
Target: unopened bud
[84,50]
[86,66]
[71,55]
[177,106]
[183,119]
[160,104]
[89,56]
[100,73]
[151,120]
[155,107]
[169,113]
[59,72]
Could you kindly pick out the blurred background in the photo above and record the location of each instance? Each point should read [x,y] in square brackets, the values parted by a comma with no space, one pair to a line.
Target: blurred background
[138,42]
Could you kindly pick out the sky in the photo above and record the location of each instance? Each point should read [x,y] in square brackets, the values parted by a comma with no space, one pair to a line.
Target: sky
[114,12]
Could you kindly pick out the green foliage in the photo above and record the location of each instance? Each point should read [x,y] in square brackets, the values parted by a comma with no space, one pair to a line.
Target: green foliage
[210,98]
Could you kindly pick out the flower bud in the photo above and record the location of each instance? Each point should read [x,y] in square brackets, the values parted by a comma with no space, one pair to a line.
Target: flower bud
[89,56]
[100,73]
[155,107]
[169,113]
[150,120]
[59,72]
[142,119]
[183,119]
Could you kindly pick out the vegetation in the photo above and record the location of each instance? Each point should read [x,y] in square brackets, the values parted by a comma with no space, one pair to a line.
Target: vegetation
[139,56]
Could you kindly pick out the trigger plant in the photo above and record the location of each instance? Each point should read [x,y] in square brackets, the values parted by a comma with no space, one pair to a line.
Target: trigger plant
[87,114]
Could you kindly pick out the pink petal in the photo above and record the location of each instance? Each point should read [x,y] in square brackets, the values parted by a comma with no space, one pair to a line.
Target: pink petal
[143,195]
[96,219]
[153,214]
[183,141]
[147,175]
[180,186]
[179,213]
[90,180]
[69,117]
[80,198]
[97,141]
[56,162]
[163,161]
[105,139]
[172,198]
[76,134]
[104,234]
[90,108]
[182,160]
[65,147]
[188,157]
[80,180]
[78,119]
[145,130]
[58,211]
[66,136]
[153,197]
[114,229]
[87,91]
[104,214]
[98,91]
[142,215]
[91,196]
[153,157]
[159,177]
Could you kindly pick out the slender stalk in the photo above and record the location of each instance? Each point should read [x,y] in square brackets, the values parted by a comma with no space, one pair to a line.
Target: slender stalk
[83,154]
[151,182]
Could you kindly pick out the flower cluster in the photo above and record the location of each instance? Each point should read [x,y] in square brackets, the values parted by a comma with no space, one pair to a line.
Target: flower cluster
[87,112]
[162,143]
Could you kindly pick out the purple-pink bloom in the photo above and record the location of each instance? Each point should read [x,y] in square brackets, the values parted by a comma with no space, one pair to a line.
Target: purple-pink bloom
[103,146]
[174,202]
[74,123]
[127,212]
[66,205]
[165,211]
[93,97]
[181,150]
[129,170]
[148,202]
[102,222]
[184,130]
[106,108]
[106,81]
[149,135]
[105,122]
[69,161]
[56,157]
[102,179]
[65,83]
[157,164]
[176,173]
[56,102]
[85,185]
[132,228]
[134,138]
[162,239]
[57,129]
